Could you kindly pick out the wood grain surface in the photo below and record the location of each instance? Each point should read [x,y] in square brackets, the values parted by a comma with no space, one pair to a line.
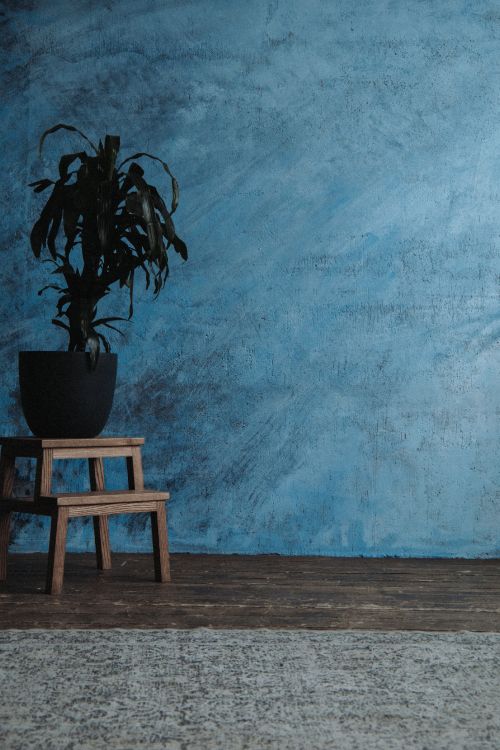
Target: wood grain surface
[101,526]
[263,591]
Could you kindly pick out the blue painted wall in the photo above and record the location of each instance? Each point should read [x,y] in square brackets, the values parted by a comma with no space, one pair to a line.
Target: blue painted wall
[323,376]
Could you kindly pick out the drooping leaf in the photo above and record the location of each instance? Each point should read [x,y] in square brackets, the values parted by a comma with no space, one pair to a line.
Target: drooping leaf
[139,155]
[175,194]
[62,126]
[65,299]
[180,247]
[138,240]
[175,184]
[40,229]
[147,274]
[66,268]
[108,325]
[41,185]
[107,345]
[134,204]
[131,295]
[49,286]
[60,324]
[39,235]
[67,160]
[125,184]
[71,216]
[168,226]
[103,321]
[57,213]
[146,210]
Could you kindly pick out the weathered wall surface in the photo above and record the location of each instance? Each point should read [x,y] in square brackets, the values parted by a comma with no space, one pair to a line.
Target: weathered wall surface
[323,375]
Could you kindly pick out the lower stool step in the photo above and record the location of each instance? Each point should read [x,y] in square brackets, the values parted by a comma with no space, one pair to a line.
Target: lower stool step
[105,496]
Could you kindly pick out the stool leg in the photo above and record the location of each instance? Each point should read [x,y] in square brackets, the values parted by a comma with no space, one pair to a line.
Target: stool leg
[7,474]
[101,529]
[4,543]
[43,478]
[57,551]
[160,543]
[134,470]
[102,546]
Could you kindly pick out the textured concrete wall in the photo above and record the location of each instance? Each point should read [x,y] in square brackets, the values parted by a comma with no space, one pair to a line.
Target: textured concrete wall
[323,375]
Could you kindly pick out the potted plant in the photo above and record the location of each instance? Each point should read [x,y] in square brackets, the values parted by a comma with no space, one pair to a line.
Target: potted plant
[113,225]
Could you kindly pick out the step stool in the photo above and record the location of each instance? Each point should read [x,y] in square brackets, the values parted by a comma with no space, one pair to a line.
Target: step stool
[98,503]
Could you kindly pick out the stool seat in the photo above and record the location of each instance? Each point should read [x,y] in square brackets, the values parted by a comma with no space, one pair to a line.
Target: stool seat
[98,502]
[105,496]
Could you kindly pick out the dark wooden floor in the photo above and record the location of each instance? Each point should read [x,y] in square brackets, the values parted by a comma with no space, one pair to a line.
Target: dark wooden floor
[265,591]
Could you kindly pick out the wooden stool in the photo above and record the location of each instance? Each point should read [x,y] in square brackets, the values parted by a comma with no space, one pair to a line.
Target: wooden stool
[97,503]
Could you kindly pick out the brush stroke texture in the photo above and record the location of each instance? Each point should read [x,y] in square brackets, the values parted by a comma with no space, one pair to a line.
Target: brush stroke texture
[322,377]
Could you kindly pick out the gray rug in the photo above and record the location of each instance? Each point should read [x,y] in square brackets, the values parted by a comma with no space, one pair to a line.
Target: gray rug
[248,689]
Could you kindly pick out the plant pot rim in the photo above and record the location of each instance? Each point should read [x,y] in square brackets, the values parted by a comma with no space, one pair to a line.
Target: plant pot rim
[65,353]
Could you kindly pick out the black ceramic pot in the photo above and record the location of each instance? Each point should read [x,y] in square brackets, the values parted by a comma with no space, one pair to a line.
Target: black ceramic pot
[62,397]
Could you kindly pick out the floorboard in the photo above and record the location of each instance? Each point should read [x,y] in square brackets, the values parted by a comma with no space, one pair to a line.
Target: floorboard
[263,591]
